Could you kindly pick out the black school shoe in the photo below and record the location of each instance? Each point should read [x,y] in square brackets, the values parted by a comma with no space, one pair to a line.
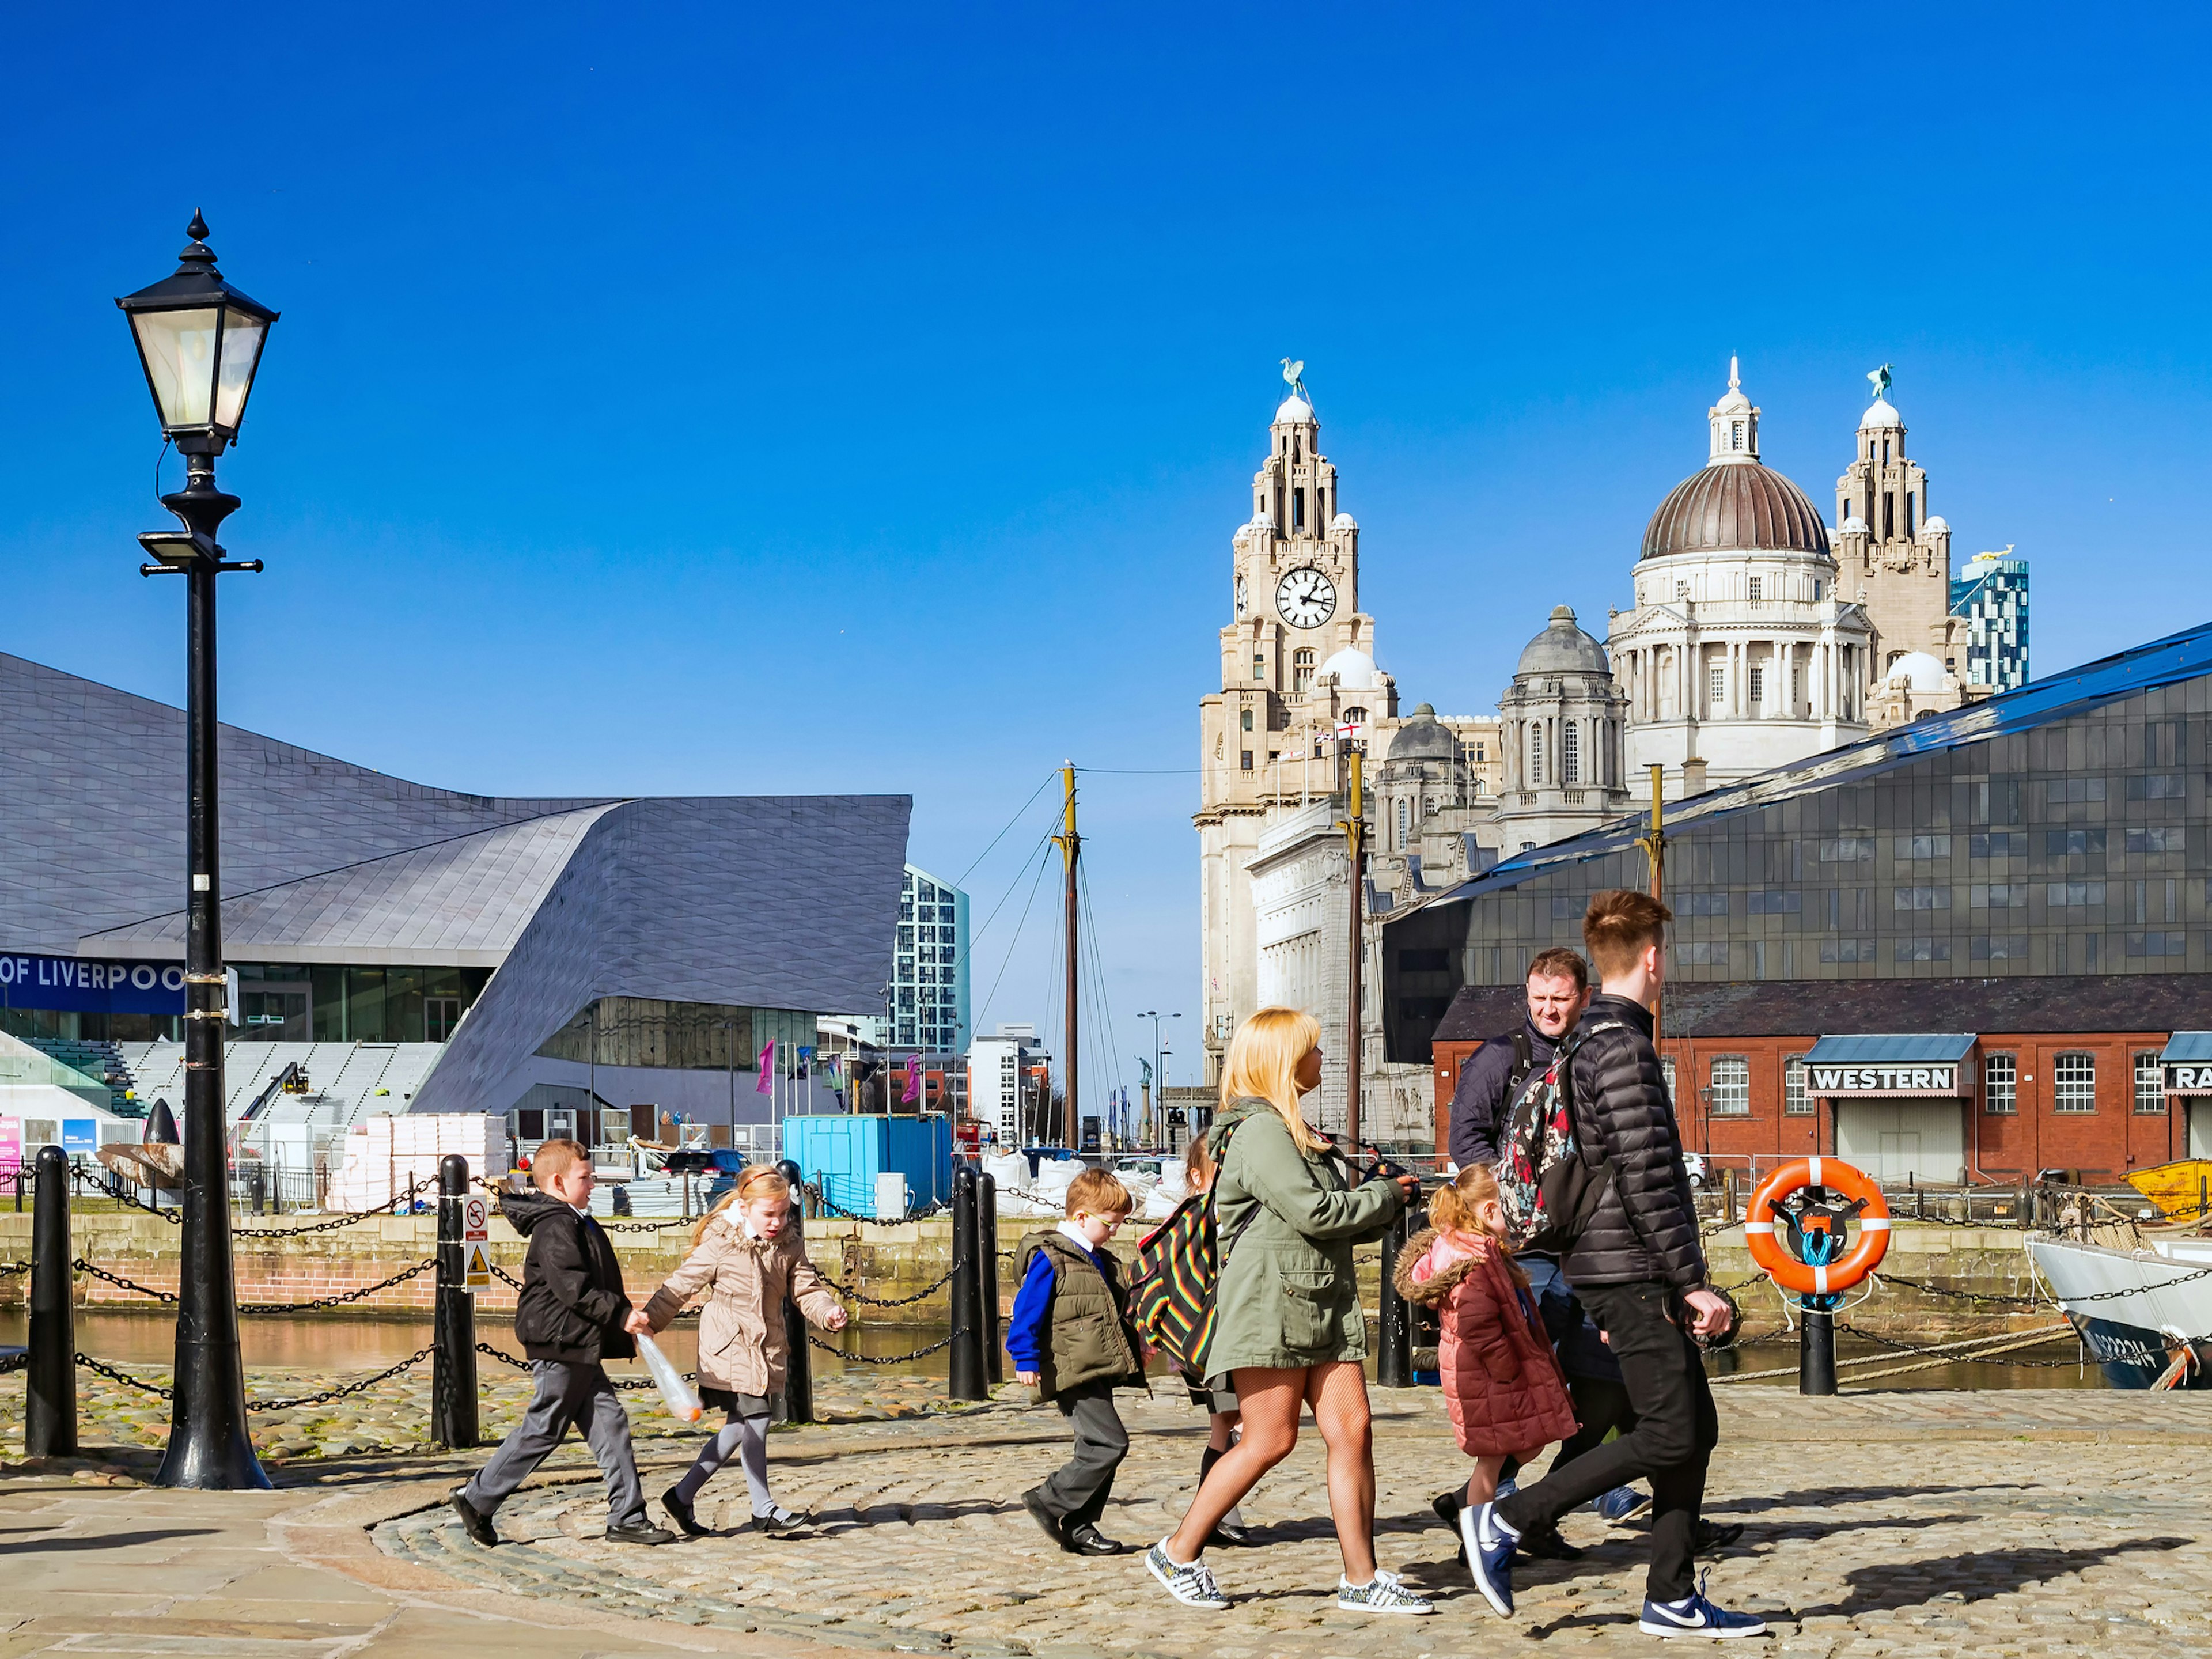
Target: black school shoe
[1087,1539]
[1447,1505]
[474,1521]
[680,1513]
[782,1523]
[1712,1539]
[1033,1501]
[1545,1546]
[1228,1533]
[640,1531]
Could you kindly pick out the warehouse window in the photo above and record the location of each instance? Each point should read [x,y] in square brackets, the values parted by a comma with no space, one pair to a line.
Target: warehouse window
[1795,1102]
[2074,1082]
[2150,1085]
[1731,1087]
[2000,1085]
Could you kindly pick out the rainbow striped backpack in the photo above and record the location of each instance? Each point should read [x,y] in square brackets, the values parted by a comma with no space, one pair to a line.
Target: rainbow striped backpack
[1171,1296]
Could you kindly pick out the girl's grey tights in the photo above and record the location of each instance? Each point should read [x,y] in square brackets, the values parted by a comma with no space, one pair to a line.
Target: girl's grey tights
[745,1435]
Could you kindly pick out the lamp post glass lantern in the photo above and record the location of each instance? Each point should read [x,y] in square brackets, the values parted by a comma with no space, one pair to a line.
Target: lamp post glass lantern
[199,344]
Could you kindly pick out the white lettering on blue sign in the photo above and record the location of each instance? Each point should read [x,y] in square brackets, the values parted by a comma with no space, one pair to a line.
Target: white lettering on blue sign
[1885,1080]
[73,984]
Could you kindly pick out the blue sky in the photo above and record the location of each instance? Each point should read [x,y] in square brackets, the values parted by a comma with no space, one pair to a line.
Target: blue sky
[732,399]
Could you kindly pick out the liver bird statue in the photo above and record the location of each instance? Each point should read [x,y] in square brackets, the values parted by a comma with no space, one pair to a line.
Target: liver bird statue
[1292,372]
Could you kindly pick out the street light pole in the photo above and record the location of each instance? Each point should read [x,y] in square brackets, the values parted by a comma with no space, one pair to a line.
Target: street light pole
[1159,1075]
[199,343]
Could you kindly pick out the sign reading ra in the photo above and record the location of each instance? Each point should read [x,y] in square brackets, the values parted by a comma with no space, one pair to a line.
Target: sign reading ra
[2189,1080]
[1886,1079]
[89,986]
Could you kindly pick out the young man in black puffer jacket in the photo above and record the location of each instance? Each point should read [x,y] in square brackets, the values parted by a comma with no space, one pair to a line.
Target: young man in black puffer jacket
[1639,1267]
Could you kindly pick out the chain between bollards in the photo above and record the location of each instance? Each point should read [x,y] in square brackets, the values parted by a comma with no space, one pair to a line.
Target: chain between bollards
[50,1411]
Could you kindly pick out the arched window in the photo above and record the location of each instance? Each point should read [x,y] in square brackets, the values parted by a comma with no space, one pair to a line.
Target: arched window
[1301,671]
[1536,753]
[1571,753]
[1736,436]
[1404,812]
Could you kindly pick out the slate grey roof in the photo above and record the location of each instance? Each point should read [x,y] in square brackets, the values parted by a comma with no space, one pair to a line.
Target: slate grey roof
[777,902]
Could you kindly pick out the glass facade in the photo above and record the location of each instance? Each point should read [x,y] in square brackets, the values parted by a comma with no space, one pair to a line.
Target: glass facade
[929,974]
[2081,846]
[289,1002]
[1992,594]
[692,1036]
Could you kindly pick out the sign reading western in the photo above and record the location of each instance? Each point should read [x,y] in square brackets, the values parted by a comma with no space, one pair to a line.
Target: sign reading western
[88,985]
[2189,1080]
[1938,1079]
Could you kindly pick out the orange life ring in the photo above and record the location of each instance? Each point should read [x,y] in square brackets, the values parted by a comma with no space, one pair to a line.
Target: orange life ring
[1786,1270]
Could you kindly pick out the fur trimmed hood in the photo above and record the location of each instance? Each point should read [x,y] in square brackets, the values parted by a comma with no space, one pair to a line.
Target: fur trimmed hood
[1433,1290]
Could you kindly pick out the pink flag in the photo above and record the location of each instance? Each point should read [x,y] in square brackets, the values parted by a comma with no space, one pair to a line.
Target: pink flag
[913,1083]
[767,1069]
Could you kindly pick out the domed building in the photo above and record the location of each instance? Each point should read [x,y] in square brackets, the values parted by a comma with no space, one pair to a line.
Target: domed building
[1562,723]
[1741,654]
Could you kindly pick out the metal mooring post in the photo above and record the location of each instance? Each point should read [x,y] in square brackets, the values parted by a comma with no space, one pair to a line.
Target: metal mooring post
[453,1332]
[799,1367]
[50,1411]
[987,1230]
[968,1379]
[1393,1361]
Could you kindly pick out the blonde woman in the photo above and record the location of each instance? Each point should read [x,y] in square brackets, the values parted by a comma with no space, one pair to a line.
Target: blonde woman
[1288,1328]
[745,1254]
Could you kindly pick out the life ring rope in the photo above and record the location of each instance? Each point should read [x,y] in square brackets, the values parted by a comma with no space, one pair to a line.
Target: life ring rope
[1809,1279]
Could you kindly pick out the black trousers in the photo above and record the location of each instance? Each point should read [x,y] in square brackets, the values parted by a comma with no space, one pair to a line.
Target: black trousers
[1675,1429]
[1077,1493]
[1601,1406]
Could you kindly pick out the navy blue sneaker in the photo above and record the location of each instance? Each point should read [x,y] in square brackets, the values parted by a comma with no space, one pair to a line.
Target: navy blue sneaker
[1694,1615]
[1490,1544]
[1622,1502]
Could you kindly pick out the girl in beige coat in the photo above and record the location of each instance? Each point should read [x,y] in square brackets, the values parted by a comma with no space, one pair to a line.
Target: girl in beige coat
[746,1255]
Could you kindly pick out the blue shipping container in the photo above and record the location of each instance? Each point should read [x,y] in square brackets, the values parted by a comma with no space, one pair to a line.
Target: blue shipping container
[842,1156]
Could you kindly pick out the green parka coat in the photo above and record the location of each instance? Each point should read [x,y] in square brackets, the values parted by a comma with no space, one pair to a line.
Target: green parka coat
[1287,1296]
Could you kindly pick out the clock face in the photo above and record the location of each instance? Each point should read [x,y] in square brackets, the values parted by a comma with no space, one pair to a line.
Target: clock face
[1305,598]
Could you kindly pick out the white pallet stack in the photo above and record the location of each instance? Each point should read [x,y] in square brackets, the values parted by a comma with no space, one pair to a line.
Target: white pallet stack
[385,1154]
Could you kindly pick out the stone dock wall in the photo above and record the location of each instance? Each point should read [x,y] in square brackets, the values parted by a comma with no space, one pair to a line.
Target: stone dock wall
[895,1261]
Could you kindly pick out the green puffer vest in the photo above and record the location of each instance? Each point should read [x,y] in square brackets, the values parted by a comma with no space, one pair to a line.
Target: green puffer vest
[1088,1338]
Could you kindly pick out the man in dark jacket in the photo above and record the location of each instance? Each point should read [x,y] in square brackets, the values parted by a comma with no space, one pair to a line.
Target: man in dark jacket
[1639,1267]
[1559,990]
[571,1315]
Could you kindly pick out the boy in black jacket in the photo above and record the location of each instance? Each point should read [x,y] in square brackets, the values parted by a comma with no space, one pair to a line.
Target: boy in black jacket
[572,1314]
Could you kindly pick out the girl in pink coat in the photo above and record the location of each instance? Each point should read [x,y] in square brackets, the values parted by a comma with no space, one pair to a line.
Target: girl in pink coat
[1500,1381]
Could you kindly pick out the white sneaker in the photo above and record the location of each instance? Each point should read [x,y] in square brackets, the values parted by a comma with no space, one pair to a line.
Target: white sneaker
[1386,1592]
[1189,1583]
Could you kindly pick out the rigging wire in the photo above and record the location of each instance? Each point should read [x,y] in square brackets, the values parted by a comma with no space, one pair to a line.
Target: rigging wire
[1096,958]
[1042,864]
[975,935]
[1049,779]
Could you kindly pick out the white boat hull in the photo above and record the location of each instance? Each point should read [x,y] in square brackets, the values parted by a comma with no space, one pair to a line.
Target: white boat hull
[2136,1310]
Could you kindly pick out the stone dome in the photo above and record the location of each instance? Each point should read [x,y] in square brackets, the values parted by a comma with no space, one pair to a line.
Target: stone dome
[1937,524]
[1293,407]
[1424,737]
[1880,414]
[1742,507]
[1563,648]
[1918,670]
[1353,668]
[1343,522]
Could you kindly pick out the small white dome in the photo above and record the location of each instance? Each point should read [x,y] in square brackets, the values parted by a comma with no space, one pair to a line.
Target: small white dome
[1937,524]
[1294,408]
[1919,671]
[1880,414]
[1353,668]
[1346,522]
[1263,519]
[1854,526]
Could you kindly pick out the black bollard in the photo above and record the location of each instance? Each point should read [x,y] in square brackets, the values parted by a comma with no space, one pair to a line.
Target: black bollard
[1393,1360]
[453,1330]
[969,1374]
[50,1408]
[1816,1352]
[986,1231]
[798,1365]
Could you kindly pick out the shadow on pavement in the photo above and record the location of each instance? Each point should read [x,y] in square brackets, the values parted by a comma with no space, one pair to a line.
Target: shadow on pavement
[110,1541]
[1977,1577]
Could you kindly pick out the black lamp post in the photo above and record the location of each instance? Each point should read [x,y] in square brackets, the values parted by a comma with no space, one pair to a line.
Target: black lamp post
[199,341]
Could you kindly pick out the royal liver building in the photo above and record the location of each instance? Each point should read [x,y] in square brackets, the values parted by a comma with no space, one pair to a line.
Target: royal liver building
[1756,634]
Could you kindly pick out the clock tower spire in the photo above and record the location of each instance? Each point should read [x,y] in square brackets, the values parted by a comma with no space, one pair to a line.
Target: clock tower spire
[1298,664]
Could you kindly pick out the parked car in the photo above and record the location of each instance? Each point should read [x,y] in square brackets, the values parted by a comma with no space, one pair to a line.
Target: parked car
[1695,1164]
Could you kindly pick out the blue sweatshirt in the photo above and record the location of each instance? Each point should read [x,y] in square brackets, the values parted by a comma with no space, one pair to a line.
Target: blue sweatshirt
[1032,1307]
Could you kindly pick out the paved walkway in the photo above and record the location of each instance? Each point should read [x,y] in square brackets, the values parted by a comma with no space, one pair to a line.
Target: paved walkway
[1995,1523]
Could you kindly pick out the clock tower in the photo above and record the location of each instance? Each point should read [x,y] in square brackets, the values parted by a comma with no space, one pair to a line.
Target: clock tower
[1298,664]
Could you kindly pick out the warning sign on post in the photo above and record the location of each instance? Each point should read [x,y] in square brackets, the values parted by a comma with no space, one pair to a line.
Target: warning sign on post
[479,1268]
[474,1215]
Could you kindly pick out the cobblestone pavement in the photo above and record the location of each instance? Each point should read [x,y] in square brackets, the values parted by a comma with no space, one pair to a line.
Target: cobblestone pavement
[2013,1523]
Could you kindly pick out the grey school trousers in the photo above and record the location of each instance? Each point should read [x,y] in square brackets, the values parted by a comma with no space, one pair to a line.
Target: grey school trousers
[1077,1493]
[566,1394]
